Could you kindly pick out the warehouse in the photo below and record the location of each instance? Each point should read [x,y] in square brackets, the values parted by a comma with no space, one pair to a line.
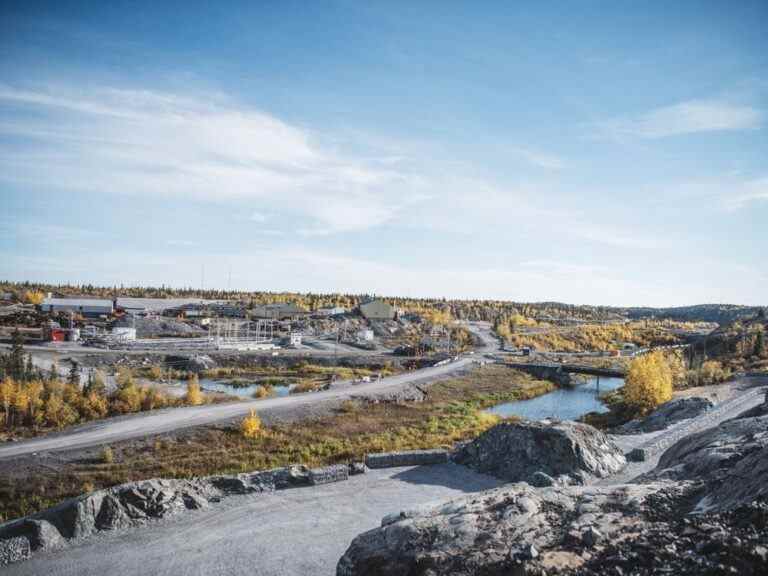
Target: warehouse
[278,311]
[83,306]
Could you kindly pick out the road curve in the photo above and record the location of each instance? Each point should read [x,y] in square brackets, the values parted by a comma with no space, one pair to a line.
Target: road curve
[161,421]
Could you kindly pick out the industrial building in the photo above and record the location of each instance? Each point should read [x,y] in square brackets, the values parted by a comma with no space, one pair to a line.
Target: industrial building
[82,306]
[334,311]
[377,310]
[278,311]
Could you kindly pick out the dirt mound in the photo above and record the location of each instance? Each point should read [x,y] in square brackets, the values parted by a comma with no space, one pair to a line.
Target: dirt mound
[516,451]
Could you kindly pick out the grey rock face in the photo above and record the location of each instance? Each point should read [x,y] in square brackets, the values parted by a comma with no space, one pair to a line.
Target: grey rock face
[541,480]
[492,532]
[668,414]
[515,451]
[14,550]
[731,459]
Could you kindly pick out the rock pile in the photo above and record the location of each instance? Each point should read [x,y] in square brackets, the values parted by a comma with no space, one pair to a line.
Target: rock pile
[570,452]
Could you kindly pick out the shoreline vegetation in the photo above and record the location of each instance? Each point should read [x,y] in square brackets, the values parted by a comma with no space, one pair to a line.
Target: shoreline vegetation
[452,412]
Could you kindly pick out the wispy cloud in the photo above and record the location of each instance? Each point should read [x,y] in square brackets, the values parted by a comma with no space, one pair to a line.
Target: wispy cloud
[206,147]
[540,159]
[745,193]
[687,117]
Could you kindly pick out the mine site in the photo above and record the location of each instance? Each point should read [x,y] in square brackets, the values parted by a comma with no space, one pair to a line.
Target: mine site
[383,288]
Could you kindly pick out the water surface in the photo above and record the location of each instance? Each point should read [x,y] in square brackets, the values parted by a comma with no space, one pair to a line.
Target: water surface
[562,403]
[211,385]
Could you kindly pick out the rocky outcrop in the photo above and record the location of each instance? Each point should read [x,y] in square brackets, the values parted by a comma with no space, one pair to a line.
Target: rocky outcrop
[703,510]
[731,459]
[517,451]
[498,531]
[668,414]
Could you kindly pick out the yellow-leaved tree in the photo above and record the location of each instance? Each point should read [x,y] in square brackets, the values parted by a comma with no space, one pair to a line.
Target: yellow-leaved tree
[194,395]
[648,382]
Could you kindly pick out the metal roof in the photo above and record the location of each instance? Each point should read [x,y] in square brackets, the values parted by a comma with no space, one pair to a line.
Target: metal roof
[77,302]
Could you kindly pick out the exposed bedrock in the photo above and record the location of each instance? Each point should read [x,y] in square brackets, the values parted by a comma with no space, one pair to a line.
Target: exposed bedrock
[517,451]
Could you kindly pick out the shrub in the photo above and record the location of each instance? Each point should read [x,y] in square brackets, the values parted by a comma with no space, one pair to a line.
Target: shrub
[107,456]
[250,427]
[263,392]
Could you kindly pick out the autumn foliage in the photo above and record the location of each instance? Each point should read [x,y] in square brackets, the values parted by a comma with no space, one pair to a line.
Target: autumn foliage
[648,382]
[250,427]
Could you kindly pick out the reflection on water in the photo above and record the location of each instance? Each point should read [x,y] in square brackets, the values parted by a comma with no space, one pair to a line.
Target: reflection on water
[210,385]
[563,403]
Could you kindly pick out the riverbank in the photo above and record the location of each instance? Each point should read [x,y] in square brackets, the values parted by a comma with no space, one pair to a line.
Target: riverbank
[452,411]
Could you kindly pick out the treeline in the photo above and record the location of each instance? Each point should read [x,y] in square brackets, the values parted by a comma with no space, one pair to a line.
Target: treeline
[486,310]
[32,398]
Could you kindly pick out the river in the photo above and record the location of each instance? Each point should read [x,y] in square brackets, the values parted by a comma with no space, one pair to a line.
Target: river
[562,403]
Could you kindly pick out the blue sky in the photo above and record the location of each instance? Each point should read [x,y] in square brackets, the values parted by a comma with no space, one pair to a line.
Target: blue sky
[592,152]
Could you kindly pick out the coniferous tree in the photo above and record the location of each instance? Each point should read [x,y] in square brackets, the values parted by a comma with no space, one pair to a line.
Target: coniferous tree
[73,376]
[15,361]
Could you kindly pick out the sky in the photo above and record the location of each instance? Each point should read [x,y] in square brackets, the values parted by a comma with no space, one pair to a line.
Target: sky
[586,152]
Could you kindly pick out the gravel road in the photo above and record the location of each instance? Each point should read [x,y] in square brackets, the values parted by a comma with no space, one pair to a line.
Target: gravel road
[139,425]
[750,394]
[288,533]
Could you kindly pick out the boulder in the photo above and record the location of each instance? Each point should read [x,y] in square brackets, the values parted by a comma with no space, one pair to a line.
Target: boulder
[515,451]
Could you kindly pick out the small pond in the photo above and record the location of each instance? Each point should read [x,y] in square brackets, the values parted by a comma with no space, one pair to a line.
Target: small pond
[562,403]
[210,385]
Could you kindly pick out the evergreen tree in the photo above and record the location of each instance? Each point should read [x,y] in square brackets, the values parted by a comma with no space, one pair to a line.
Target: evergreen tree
[15,360]
[73,377]
[29,371]
[760,344]
[53,373]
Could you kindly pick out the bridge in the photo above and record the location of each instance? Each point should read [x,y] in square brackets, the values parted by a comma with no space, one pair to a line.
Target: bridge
[560,373]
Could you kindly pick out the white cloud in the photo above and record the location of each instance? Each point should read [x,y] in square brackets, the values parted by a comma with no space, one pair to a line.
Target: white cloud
[206,147]
[258,217]
[687,117]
